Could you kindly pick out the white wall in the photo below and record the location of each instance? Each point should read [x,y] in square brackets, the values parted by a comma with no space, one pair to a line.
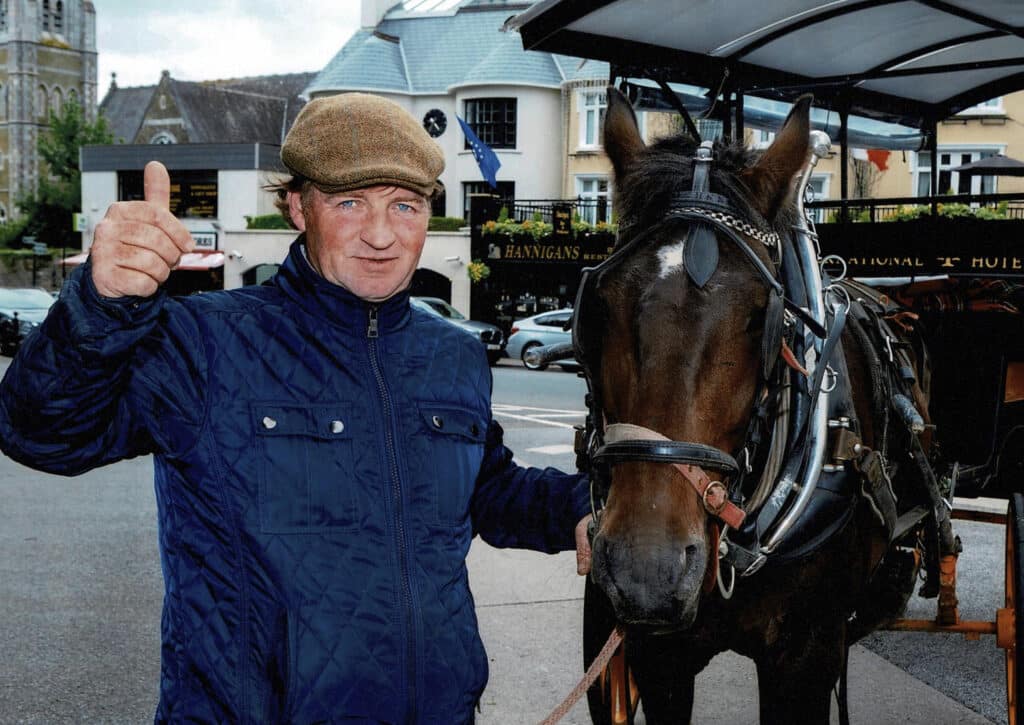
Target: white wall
[239,194]
[535,165]
[99,191]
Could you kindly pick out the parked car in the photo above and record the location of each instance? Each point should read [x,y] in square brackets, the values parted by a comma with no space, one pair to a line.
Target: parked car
[22,309]
[546,328]
[490,335]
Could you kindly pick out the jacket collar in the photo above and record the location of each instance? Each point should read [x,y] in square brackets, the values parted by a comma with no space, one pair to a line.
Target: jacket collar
[332,302]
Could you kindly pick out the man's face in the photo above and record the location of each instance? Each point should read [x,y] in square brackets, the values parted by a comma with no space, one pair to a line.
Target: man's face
[368,241]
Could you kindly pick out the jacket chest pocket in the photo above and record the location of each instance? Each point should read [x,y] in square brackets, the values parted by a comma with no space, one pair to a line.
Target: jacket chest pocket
[456,437]
[306,481]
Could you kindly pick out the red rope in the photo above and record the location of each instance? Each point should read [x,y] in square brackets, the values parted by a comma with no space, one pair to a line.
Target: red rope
[592,673]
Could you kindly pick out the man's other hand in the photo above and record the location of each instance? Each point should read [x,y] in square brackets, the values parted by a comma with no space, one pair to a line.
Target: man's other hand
[138,243]
[583,546]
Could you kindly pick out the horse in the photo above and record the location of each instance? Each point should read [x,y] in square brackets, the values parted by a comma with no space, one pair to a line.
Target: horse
[683,340]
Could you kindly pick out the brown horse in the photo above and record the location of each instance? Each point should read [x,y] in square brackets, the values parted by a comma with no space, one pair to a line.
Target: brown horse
[681,354]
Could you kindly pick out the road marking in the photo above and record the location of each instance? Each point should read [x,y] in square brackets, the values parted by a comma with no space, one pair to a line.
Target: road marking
[532,419]
[521,408]
[555,450]
[536,415]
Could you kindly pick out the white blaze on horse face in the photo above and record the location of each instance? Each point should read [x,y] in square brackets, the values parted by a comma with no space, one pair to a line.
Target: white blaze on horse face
[671,256]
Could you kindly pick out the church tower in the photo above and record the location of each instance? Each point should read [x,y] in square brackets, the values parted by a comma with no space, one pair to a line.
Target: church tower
[47,57]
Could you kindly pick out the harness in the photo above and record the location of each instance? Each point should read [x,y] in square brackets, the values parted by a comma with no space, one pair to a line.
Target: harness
[803,317]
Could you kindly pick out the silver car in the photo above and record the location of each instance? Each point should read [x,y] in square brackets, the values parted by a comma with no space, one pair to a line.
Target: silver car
[490,335]
[22,309]
[547,328]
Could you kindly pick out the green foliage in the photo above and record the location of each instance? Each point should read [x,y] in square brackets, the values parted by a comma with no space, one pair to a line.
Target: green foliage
[266,221]
[503,214]
[537,230]
[11,232]
[445,224]
[477,270]
[48,210]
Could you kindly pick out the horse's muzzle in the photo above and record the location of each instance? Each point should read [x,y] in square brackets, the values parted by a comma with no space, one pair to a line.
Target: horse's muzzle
[648,584]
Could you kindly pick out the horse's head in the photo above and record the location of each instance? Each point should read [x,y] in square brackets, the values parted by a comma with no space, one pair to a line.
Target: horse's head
[679,351]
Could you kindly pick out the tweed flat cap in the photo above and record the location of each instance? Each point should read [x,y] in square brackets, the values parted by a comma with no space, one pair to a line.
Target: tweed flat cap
[355,140]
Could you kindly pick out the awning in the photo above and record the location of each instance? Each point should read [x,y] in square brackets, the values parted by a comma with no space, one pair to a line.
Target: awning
[768,115]
[899,61]
[190,262]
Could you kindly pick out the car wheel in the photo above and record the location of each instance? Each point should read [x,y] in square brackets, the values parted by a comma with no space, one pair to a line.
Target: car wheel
[526,348]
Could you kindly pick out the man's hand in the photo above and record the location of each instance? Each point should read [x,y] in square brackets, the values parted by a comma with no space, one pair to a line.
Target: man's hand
[583,546]
[137,243]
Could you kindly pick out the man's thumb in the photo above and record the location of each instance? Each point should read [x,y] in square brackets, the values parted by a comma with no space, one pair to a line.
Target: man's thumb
[156,184]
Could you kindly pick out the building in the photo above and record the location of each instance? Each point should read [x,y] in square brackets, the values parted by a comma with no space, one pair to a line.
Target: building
[453,61]
[47,56]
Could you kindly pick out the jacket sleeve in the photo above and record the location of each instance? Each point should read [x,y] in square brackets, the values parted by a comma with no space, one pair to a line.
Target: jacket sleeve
[101,380]
[526,508]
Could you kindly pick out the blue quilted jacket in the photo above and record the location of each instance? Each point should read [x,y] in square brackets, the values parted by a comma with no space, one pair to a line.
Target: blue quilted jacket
[321,466]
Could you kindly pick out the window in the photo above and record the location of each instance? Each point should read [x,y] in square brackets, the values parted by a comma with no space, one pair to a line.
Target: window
[42,104]
[3,15]
[46,15]
[58,100]
[595,203]
[193,193]
[949,180]
[818,185]
[58,17]
[991,107]
[73,96]
[592,106]
[163,138]
[506,190]
[493,120]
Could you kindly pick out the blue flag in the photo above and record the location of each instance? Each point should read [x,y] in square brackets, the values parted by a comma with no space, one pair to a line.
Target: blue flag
[486,159]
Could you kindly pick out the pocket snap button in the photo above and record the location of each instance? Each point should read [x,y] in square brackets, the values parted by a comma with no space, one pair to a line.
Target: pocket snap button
[269,423]
[438,422]
[337,426]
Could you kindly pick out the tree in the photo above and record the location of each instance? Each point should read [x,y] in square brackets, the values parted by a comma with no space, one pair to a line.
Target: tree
[49,209]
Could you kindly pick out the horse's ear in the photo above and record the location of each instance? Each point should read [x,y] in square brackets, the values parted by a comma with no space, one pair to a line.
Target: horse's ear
[622,140]
[769,179]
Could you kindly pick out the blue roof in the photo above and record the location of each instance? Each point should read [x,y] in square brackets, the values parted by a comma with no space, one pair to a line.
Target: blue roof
[435,52]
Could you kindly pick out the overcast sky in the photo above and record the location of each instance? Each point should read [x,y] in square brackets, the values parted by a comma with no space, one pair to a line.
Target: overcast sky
[207,39]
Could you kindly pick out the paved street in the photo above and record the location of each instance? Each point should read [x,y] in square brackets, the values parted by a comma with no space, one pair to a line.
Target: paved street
[81,588]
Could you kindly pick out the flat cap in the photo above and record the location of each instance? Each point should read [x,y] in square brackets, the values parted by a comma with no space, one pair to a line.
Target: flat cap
[355,140]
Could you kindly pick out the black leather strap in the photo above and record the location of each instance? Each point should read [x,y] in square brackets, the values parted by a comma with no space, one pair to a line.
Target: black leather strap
[696,454]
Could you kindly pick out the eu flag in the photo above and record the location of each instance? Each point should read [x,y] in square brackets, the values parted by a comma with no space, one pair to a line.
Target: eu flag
[486,159]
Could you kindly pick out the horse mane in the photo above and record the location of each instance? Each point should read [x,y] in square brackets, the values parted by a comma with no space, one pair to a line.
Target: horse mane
[665,168]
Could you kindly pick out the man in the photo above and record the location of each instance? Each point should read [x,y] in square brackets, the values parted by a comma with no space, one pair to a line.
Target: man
[324,453]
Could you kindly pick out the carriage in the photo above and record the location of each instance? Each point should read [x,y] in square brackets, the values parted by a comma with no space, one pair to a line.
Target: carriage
[884,75]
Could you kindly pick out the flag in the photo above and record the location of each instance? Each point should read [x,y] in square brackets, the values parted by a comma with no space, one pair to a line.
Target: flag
[485,157]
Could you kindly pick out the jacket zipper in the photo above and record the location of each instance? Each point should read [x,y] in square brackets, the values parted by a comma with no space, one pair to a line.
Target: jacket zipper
[372,334]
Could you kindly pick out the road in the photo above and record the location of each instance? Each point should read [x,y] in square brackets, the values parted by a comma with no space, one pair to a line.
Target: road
[81,590]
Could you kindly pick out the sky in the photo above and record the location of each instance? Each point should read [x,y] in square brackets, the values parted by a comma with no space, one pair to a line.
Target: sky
[209,39]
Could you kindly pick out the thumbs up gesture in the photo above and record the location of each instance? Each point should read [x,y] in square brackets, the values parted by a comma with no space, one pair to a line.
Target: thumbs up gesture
[137,243]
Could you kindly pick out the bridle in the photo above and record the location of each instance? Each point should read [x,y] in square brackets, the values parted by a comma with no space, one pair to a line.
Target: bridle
[601,446]
[608,445]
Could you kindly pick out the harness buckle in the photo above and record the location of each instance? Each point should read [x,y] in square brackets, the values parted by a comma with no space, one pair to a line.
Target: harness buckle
[721,494]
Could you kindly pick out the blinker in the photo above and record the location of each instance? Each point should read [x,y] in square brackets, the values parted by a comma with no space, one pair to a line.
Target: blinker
[700,248]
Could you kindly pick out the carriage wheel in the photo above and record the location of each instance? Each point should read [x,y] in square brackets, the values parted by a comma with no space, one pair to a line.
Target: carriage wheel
[1015,603]
[613,698]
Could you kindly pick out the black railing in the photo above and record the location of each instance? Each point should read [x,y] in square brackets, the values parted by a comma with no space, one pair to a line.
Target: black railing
[1009,206]
[587,210]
